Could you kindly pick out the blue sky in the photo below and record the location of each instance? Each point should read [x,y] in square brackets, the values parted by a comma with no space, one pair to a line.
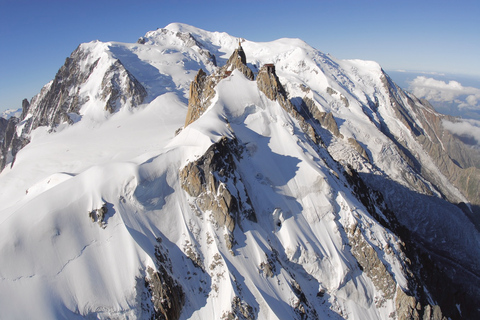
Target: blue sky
[441,36]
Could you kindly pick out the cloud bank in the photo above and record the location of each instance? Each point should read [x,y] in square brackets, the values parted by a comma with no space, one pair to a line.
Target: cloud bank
[467,130]
[441,91]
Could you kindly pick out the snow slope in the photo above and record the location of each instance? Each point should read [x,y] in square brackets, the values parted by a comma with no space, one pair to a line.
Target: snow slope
[62,263]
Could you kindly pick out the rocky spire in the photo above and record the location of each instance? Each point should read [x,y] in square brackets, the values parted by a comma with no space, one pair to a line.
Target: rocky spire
[238,60]
[202,88]
[270,85]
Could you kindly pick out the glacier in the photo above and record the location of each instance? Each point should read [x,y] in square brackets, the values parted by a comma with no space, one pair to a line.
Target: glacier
[351,212]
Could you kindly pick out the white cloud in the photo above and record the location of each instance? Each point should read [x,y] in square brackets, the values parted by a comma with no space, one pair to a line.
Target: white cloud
[464,128]
[453,91]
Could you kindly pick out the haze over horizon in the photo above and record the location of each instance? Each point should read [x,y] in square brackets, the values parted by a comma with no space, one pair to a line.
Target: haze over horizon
[427,36]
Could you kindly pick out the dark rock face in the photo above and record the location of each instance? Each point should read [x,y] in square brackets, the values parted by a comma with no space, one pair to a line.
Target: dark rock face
[167,294]
[216,185]
[98,215]
[430,276]
[3,128]
[240,310]
[238,60]
[270,85]
[202,88]
[325,119]
[61,98]
[456,160]
[11,143]
[52,106]
[301,305]
[121,87]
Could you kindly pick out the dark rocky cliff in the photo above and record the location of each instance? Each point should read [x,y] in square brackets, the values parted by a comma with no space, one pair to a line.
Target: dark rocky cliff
[60,101]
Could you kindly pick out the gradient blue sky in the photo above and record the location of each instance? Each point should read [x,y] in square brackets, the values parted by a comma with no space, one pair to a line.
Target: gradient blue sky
[442,36]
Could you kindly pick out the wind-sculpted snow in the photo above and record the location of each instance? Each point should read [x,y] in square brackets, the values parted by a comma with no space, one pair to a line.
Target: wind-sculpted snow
[313,192]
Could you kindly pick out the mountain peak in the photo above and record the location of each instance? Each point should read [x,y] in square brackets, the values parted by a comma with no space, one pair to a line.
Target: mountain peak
[299,186]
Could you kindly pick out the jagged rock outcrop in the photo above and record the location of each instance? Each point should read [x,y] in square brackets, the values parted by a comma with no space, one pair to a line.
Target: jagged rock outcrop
[3,133]
[216,186]
[202,88]
[301,305]
[59,100]
[270,85]
[11,143]
[358,148]
[11,139]
[3,128]
[325,119]
[426,280]
[60,97]
[98,215]
[121,88]
[240,310]
[63,97]
[370,263]
[238,61]
[167,294]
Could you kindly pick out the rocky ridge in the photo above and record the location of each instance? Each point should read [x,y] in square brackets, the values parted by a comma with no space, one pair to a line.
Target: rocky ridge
[60,101]
[199,179]
[202,88]
[369,244]
[215,186]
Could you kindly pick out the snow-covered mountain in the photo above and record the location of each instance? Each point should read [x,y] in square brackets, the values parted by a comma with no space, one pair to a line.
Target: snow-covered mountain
[196,175]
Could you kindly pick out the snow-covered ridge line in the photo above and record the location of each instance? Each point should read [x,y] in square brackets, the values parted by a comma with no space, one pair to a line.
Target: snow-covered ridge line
[315,194]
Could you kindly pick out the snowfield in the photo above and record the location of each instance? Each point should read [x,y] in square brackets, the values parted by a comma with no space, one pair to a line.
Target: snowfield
[59,259]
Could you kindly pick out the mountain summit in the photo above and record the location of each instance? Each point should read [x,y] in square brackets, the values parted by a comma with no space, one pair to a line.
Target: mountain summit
[196,175]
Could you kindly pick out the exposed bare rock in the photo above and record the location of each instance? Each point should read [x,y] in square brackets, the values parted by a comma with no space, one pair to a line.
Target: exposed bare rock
[358,147]
[119,87]
[168,296]
[216,185]
[238,61]
[25,108]
[413,304]
[11,143]
[407,307]
[342,98]
[268,267]
[240,310]
[370,263]
[270,85]
[61,98]
[456,160]
[396,103]
[325,119]
[3,128]
[202,88]
[98,215]
[301,305]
